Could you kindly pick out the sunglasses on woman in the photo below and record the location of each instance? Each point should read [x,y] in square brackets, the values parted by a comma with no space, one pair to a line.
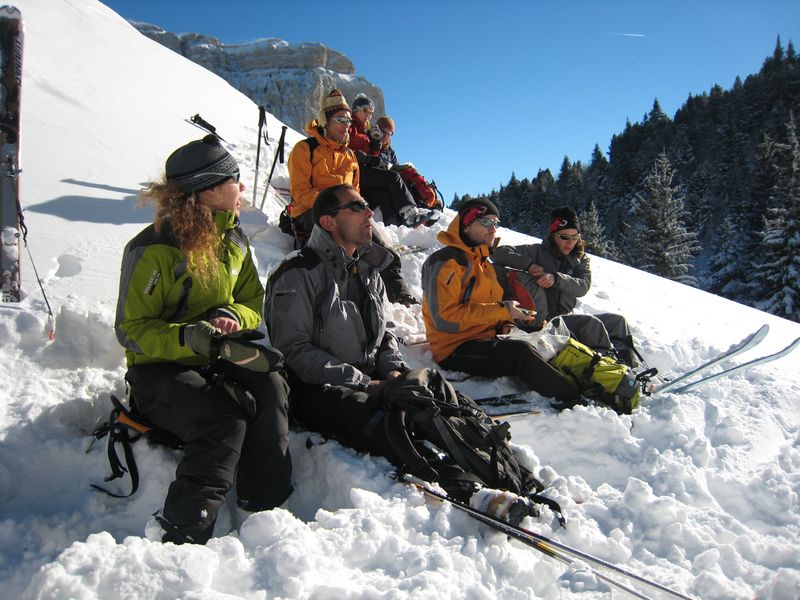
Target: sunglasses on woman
[569,238]
[343,120]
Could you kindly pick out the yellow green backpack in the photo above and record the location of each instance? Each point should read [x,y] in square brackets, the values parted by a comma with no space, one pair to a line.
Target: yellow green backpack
[601,378]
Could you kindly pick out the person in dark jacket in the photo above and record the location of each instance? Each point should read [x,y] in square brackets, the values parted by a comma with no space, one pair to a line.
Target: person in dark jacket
[388,157]
[189,303]
[555,274]
[324,308]
[381,187]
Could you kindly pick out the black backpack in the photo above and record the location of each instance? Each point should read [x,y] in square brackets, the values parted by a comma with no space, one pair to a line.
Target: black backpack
[442,435]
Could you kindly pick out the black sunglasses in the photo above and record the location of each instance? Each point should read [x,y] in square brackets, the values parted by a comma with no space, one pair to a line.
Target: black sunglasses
[354,205]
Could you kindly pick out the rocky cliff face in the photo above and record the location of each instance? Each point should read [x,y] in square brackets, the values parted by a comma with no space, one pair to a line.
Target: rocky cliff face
[289,80]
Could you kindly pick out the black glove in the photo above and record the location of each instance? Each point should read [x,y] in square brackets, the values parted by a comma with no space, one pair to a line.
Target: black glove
[375,133]
[200,337]
[240,348]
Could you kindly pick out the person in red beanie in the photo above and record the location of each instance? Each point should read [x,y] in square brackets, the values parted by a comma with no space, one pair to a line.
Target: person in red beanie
[464,311]
[555,274]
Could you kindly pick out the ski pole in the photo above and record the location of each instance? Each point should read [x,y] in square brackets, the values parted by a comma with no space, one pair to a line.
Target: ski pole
[262,118]
[278,153]
[200,122]
[543,543]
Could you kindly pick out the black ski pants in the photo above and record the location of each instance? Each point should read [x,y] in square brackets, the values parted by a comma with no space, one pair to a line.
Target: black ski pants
[603,332]
[385,189]
[349,416]
[220,443]
[501,358]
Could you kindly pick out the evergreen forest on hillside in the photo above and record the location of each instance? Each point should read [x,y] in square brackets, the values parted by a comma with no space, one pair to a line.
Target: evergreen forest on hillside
[710,198]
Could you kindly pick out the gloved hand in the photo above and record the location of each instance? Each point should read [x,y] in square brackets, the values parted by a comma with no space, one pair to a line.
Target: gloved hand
[200,337]
[375,133]
[240,348]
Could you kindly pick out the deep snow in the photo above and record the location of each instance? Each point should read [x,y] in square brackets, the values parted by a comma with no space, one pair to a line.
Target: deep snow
[698,491]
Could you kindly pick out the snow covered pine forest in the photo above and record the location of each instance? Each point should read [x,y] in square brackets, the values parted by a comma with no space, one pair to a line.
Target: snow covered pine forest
[697,491]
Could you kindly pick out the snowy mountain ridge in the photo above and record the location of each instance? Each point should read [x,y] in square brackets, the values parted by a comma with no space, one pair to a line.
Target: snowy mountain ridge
[289,80]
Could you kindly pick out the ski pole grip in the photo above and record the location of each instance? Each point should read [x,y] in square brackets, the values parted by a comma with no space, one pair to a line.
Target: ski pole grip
[281,142]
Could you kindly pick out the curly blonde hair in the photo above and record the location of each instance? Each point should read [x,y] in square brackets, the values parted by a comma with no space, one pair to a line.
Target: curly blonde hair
[192,224]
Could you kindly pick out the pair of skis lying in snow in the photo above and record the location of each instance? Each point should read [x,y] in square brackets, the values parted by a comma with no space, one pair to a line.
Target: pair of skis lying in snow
[509,404]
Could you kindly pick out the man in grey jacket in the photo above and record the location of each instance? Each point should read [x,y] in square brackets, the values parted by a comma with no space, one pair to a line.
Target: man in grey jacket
[324,308]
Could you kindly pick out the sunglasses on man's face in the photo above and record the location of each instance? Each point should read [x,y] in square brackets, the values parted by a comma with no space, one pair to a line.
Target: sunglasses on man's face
[343,120]
[488,222]
[355,206]
[568,238]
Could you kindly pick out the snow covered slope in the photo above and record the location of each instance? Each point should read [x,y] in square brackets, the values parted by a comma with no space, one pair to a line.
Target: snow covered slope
[699,491]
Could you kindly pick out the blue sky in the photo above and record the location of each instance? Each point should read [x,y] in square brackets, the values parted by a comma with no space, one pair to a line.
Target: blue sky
[479,90]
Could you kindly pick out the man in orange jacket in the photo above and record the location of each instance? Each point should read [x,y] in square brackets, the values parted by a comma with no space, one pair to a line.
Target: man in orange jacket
[322,160]
[464,311]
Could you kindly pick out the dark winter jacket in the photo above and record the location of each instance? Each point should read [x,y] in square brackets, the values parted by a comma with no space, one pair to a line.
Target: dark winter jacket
[325,338]
[388,157]
[158,296]
[573,275]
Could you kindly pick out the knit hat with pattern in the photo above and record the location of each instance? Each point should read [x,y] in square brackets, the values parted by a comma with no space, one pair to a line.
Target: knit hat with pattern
[200,165]
[331,104]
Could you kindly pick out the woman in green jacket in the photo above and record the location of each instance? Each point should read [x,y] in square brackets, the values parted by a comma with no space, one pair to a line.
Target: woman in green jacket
[189,304]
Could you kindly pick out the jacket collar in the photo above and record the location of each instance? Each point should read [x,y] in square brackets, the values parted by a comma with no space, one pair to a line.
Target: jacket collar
[225,220]
[372,255]
[551,248]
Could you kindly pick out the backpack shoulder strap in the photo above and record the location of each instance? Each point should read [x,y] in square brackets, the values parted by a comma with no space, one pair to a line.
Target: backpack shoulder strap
[313,143]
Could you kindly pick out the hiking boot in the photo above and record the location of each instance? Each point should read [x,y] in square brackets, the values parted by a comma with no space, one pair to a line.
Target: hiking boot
[501,504]
[405,299]
[433,216]
[414,216]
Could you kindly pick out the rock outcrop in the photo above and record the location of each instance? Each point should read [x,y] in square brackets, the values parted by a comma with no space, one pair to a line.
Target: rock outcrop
[289,80]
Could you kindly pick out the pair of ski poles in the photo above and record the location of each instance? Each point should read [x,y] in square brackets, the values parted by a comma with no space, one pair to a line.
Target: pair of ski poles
[279,154]
[200,122]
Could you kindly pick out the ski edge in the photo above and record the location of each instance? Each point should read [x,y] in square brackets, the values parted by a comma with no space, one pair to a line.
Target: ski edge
[747,343]
[742,367]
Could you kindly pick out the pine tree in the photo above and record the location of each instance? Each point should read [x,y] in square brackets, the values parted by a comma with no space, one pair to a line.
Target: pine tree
[726,265]
[663,245]
[778,271]
[594,236]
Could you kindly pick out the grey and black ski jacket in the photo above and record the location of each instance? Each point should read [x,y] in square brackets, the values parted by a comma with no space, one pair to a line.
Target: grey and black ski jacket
[325,338]
[573,275]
